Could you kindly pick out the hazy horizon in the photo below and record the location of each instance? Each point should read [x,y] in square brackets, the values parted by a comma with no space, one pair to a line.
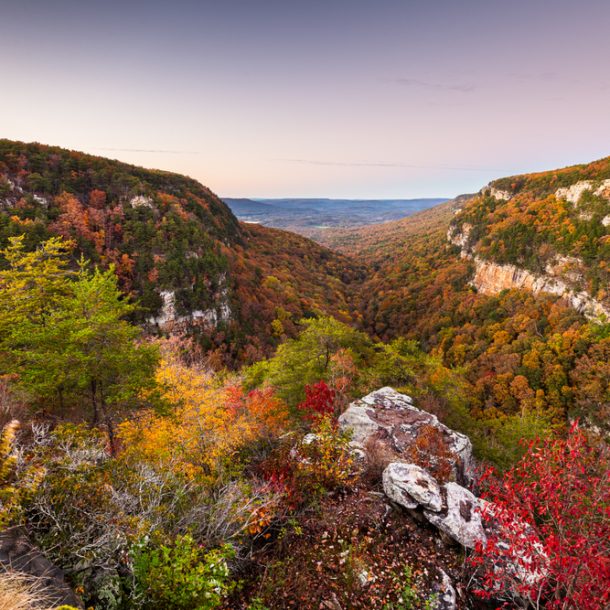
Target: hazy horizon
[336,99]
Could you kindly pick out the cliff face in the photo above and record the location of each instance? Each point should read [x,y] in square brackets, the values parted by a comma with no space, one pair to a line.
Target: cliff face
[562,276]
[491,278]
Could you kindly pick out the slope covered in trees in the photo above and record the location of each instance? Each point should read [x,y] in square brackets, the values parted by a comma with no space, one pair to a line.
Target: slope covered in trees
[531,360]
[555,223]
[175,247]
[155,480]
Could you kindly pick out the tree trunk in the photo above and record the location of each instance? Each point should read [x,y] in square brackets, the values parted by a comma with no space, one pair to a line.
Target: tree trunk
[96,416]
[109,427]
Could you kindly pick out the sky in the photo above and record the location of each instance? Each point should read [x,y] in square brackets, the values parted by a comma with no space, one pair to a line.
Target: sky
[333,98]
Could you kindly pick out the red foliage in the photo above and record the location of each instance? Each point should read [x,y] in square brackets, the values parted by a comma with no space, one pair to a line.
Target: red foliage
[319,401]
[551,515]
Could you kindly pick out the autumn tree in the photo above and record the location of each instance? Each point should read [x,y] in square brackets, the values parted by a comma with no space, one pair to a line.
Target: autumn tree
[209,423]
[308,358]
[69,342]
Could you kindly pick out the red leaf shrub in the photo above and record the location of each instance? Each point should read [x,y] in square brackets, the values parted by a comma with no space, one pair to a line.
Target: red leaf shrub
[319,401]
[549,545]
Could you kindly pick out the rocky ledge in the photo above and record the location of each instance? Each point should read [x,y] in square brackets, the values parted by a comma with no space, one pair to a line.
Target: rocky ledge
[390,419]
[17,553]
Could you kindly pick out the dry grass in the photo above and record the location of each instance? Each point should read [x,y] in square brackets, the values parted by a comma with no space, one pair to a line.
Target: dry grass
[21,592]
[378,456]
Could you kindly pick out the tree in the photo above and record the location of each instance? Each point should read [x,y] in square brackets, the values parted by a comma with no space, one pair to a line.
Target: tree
[70,343]
[591,380]
[319,401]
[309,358]
[33,283]
[182,576]
[209,426]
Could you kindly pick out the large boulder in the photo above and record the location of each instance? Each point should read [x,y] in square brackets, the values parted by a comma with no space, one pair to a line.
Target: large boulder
[392,419]
[411,486]
[460,518]
[451,508]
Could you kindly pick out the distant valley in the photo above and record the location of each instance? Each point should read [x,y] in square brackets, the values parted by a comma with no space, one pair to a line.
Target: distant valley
[310,216]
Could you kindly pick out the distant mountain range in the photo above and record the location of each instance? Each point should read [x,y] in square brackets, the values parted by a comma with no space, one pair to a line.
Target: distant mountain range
[311,215]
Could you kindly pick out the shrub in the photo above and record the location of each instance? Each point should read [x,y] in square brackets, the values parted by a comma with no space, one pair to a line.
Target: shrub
[181,576]
[16,486]
[321,462]
[551,543]
[319,401]
[431,453]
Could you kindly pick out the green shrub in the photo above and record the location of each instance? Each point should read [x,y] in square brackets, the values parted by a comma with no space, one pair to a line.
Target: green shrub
[181,576]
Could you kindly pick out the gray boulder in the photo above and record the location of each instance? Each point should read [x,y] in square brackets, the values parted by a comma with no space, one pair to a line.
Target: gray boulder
[392,419]
[461,517]
[446,596]
[411,486]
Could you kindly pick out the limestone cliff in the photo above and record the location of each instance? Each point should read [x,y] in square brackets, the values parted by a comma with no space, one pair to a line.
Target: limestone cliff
[565,276]
[491,278]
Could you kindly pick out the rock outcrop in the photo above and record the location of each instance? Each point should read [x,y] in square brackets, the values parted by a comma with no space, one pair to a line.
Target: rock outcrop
[497,193]
[17,553]
[446,595]
[141,201]
[460,237]
[562,276]
[392,419]
[451,508]
[492,278]
[168,317]
[459,517]
[411,486]
[574,192]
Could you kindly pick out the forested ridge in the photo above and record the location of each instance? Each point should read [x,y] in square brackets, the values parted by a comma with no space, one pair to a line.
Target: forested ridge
[172,384]
[164,232]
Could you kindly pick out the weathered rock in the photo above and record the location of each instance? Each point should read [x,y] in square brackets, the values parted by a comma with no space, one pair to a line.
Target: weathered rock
[19,554]
[574,192]
[411,486]
[141,201]
[492,278]
[446,596]
[460,236]
[563,275]
[391,418]
[461,519]
[497,193]
[168,316]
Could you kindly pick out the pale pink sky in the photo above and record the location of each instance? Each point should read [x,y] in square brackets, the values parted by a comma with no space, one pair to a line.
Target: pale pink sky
[338,98]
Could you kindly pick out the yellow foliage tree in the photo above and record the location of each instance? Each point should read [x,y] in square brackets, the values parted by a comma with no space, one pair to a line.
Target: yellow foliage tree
[210,422]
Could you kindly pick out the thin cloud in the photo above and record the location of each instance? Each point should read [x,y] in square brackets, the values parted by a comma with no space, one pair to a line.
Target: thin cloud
[382,165]
[150,150]
[422,84]
[535,76]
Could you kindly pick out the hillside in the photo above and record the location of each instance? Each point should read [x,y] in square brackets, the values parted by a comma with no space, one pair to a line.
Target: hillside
[378,241]
[176,247]
[413,272]
[549,232]
[241,289]
[340,468]
[508,285]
